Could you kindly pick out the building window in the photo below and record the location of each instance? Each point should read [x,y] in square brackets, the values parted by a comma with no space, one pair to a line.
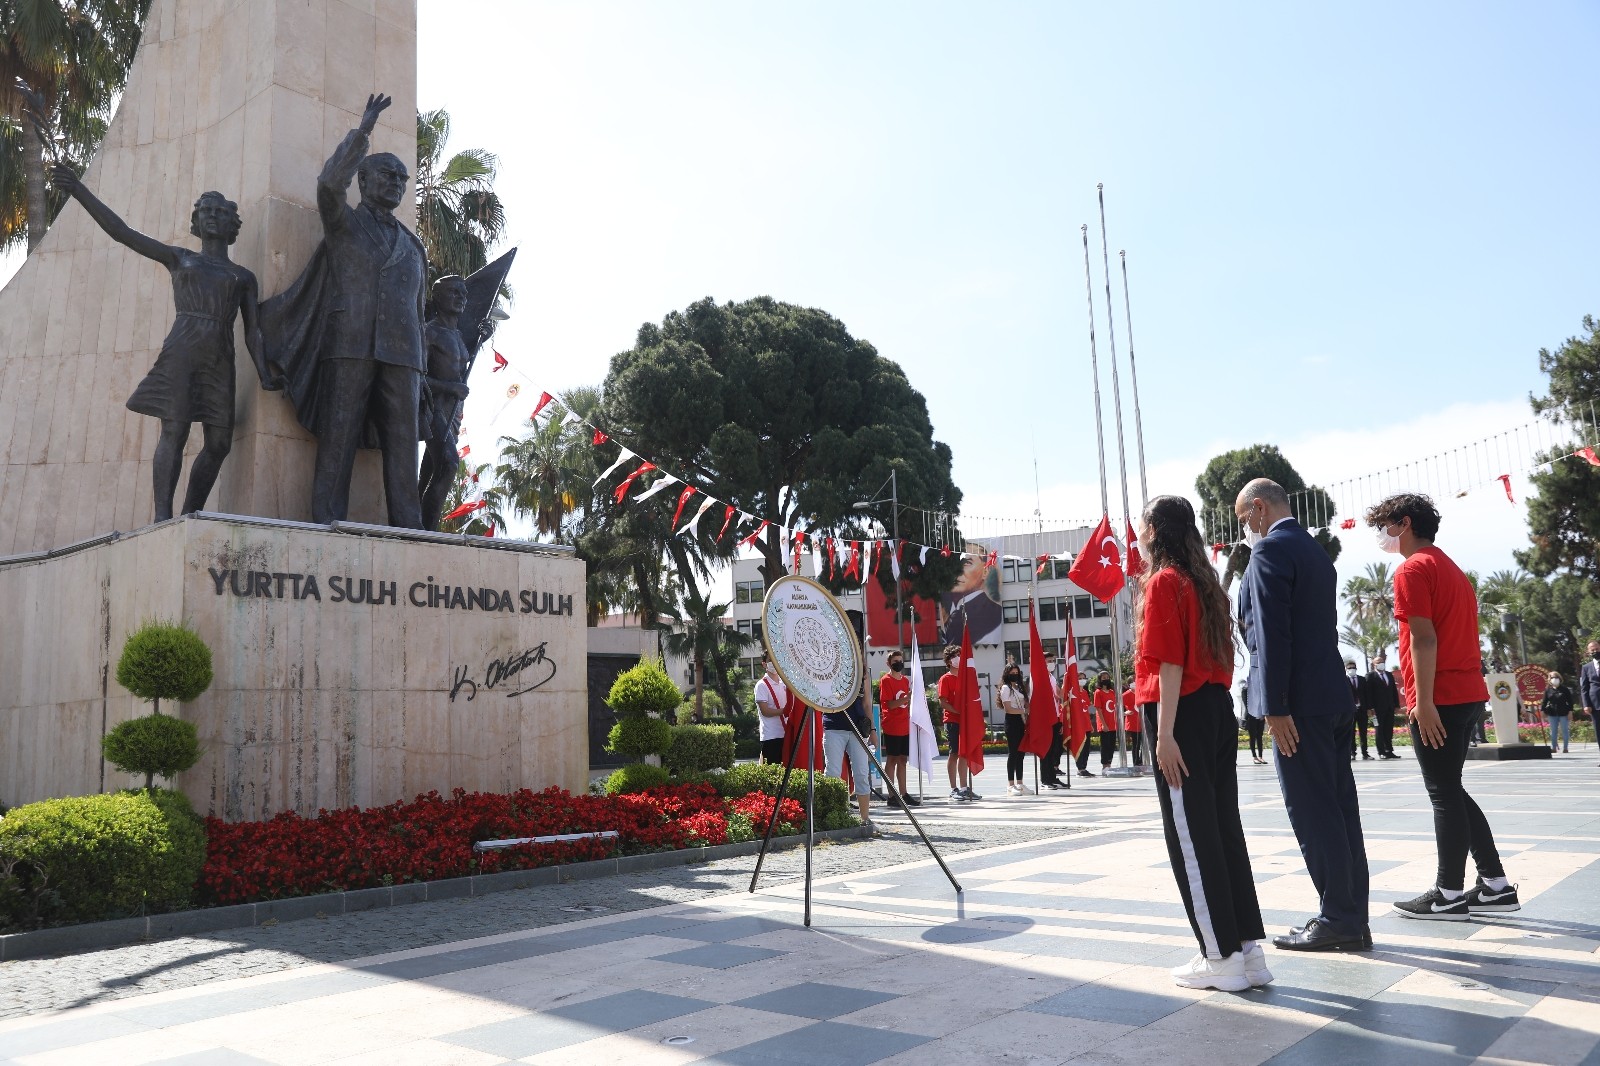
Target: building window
[1094,653]
[1017,650]
[750,626]
[1053,609]
[1089,607]
[748,591]
[1015,610]
[751,668]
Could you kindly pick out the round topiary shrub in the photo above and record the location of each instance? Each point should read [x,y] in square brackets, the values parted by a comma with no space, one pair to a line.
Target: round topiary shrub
[165,661]
[107,856]
[644,688]
[636,777]
[158,744]
[634,738]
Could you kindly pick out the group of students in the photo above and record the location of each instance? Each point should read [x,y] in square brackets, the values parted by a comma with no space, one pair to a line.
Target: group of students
[1288,615]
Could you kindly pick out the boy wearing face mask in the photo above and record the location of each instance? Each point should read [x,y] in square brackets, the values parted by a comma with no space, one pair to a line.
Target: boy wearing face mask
[1437,611]
[894,703]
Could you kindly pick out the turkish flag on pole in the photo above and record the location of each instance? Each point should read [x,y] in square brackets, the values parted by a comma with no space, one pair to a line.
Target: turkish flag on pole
[1041,696]
[1075,719]
[970,707]
[1135,560]
[1098,568]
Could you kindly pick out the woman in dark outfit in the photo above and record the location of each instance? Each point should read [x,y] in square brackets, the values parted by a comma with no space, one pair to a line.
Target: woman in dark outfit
[1182,672]
[192,379]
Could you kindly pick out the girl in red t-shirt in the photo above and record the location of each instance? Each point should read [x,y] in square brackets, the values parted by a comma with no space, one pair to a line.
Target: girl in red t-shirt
[1182,670]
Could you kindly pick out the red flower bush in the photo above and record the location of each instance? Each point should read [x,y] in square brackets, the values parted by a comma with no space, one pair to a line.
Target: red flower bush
[432,836]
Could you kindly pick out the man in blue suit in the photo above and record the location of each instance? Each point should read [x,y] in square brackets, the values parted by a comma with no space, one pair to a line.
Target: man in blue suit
[1288,611]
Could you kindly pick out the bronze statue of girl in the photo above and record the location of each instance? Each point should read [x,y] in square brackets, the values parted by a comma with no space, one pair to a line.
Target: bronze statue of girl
[192,379]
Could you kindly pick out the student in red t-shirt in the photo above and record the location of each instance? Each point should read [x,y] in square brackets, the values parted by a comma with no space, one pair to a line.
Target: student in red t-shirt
[1132,727]
[894,703]
[1182,671]
[1105,713]
[960,772]
[1440,663]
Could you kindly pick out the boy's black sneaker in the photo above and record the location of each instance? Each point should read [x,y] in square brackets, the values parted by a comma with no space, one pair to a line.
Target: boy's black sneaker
[1481,899]
[1433,907]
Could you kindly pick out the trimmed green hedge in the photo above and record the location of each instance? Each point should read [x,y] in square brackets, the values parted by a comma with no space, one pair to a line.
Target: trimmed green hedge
[698,748]
[637,736]
[155,744]
[833,798]
[165,661]
[642,689]
[636,777]
[87,858]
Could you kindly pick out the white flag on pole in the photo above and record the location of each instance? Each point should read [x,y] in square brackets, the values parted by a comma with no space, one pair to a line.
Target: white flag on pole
[924,741]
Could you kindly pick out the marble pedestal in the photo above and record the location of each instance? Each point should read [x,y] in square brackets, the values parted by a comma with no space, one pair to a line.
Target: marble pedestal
[353,664]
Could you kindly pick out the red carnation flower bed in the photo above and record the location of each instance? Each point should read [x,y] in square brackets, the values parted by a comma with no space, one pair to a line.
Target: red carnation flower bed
[432,836]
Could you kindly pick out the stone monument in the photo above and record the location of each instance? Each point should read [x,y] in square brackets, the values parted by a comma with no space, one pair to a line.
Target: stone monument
[356,663]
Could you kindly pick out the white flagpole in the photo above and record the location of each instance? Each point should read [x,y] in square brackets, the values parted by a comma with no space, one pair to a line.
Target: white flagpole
[1133,373]
[1122,473]
[1100,445]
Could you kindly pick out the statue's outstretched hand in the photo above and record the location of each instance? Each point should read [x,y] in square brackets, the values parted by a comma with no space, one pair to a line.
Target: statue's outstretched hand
[65,178]
[377,104]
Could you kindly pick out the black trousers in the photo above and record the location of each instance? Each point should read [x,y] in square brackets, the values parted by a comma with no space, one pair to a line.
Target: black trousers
[1108,746]
[1135,748]
[772,751]
[1459,826]
[1383,732]
[1256,728]
[1205,839]
[1014,757]
[1319,791]
[351,391]
[1358,727]
[1050,765]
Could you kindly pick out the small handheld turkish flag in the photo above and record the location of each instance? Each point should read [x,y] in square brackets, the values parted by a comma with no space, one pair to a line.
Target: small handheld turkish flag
[499,363]
[1098,568]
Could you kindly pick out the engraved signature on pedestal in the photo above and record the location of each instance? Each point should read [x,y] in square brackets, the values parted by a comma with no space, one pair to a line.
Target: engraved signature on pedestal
[524,670]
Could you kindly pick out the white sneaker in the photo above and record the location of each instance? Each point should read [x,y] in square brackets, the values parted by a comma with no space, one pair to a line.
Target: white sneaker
[1225,975]
[1255,967]
[1016,790]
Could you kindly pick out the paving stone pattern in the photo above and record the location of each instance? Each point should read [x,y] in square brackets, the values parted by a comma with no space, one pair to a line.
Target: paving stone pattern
[1057,951]
[34,985]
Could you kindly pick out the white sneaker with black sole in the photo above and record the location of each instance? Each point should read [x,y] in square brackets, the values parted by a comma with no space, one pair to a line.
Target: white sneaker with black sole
[1255,967]
[1432,906]
[1481,899]
[1226,975]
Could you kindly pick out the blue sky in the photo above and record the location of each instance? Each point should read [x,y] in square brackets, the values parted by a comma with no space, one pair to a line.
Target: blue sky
[1349,229]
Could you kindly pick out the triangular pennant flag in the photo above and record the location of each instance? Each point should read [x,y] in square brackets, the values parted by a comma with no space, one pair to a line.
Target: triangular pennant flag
[683,498]
[827,555]
[499,363]
[544,401]
[1098,568]
[1589,454]
[1216,550]
[852,566]
[600,438]
[924,561]
[799,543]
[1044,561]
[666,481]
[694,522]
[750,541]
[465,450]
[612,469]
[1348,523]
[899,550]
[727,518]
[627,482]
[1505,480]
[490,531]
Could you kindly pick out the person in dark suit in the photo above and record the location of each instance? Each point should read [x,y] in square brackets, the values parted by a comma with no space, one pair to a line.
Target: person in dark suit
[1288,609]
[346,338]
[1589,682]
[1384,696]
[1358,693]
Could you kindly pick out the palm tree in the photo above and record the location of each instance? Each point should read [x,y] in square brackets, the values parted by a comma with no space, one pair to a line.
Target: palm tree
[487,520]
[459,215]
[1370,595]
[549,474]
[1371,637]
[1499,595]
[696,629]
[75,54]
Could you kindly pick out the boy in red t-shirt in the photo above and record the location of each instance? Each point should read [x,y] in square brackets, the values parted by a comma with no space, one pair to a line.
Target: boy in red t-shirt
[1105,712]
[894,703]
[949,686]
[1442,669]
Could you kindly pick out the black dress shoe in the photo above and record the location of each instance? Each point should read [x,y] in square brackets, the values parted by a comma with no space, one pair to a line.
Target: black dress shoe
[1316,936]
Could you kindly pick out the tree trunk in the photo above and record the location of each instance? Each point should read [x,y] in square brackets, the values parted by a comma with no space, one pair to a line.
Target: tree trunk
[33,177]
[699,688]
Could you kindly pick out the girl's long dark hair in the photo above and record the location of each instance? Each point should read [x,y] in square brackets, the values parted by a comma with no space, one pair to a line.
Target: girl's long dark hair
[1172,540]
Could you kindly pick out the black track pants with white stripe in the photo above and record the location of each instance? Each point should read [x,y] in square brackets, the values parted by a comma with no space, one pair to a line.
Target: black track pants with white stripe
[1205,839]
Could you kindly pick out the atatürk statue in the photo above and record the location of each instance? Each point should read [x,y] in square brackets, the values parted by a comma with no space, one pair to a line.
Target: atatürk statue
[192,379]
[345,339]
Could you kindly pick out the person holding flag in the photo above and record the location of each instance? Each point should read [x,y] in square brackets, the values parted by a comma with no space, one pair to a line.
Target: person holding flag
[1042,732]
[1050,762]
[1183,669]
[1075,721]
[958,695]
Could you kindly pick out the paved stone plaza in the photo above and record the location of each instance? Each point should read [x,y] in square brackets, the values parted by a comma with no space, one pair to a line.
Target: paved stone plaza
[1057,952]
